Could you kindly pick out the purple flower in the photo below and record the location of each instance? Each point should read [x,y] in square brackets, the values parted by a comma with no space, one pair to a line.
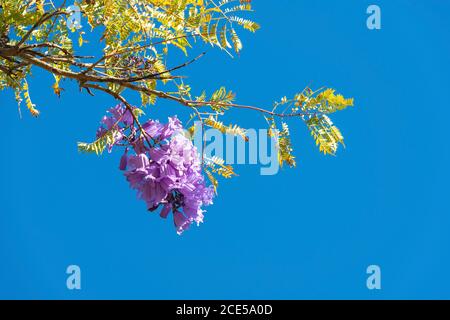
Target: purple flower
[165,210]
[161,164]
[158,131]
[118,118]
[181,222]
[153,128]
[120,113]
[169,174]
[171,127]
[124,160]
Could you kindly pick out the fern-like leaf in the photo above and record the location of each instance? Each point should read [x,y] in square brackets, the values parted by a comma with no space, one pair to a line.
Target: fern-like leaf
[99,145]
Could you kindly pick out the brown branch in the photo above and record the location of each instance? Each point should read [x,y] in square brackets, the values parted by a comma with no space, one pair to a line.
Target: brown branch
[54,46]
[6,70]
[127,105]
[70,60]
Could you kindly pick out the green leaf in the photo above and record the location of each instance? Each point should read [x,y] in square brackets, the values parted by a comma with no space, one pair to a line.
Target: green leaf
[99,145]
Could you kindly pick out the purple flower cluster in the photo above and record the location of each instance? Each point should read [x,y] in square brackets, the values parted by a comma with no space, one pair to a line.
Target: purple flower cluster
[168,173]
[119,118]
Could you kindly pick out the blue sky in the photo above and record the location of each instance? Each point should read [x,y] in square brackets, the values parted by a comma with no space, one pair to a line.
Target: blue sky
[305,233]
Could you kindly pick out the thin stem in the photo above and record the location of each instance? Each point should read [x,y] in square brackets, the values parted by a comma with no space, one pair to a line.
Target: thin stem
[127,105]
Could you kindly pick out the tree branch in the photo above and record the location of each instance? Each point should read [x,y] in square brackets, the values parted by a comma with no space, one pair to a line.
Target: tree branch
[46,16]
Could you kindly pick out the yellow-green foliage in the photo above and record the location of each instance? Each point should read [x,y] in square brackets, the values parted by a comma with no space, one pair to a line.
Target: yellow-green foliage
[313,107]
[230,129]
[99,145]
[326,101]
[137,38]
[217,165]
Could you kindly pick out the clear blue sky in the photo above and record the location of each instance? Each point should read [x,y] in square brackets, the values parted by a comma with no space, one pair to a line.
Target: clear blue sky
[304,233]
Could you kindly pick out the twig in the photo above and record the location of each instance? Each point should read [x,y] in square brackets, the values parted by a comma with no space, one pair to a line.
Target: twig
[127,105]
[46,16]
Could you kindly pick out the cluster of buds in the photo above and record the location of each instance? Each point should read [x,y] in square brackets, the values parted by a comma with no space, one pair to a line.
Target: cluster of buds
[4,39]
[136,66]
